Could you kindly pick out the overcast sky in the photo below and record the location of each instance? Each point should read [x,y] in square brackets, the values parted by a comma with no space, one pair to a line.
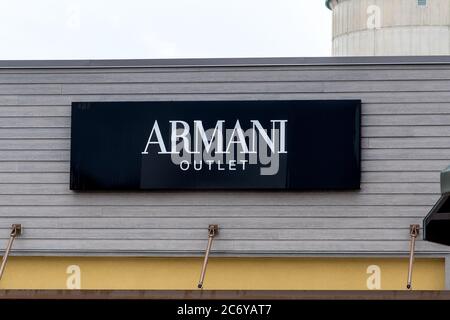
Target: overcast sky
[132,29]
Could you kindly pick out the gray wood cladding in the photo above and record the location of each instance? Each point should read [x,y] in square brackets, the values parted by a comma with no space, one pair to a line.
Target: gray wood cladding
[405,141]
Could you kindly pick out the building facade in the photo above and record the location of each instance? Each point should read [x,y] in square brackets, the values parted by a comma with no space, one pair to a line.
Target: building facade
[268,239]
[390,27]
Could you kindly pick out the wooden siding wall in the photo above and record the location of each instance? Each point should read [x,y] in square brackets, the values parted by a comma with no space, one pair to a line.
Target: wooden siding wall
[405,139]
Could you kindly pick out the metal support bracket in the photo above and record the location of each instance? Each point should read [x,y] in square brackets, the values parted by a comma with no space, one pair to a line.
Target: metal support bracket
[413,233]
[16,230]
[213,230]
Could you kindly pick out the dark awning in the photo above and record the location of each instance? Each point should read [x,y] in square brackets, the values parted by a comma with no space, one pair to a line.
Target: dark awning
[436,225]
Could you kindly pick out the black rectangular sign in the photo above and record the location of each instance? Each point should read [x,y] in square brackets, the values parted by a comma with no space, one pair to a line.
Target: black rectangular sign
[294,144]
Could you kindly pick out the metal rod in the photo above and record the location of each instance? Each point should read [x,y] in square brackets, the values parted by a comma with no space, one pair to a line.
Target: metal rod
[213,229]
[413,232]
[16,230]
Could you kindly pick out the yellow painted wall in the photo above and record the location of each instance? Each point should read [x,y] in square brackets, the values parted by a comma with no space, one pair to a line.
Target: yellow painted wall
[222,273]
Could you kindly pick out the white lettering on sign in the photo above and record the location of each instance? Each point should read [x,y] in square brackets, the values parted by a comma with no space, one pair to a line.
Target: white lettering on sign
[159,140]
[220,148]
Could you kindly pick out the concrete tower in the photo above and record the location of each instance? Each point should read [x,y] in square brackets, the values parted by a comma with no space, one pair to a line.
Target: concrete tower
[390,27]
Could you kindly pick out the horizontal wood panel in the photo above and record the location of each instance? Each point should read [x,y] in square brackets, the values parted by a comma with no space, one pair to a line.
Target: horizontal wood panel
[367,97]
[36,178]
[411,154]
[35,133]
[255,87]
[203,222]
[47,185]
[406,120]
[35,144]
[402,165]
[406,131]
[224,246]
[367,177]
[300,74]
[35,166]
[23,89]
[409,143]
[39,155]
[35,111]
[406,108]
[401,234]
[220,199]
[31,122]
[323,211]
